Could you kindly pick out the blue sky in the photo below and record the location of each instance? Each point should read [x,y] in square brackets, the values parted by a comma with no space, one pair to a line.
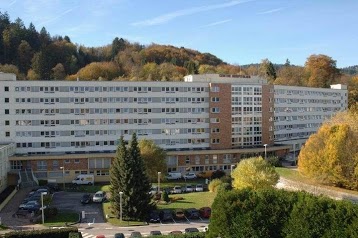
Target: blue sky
[238,32]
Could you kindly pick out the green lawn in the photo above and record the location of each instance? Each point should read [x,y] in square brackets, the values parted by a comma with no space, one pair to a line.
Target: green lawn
[190,200]
[113,220]
[61,218]
[293,174]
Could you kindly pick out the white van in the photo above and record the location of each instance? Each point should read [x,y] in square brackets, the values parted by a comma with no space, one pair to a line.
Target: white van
[174,175]
[84,179]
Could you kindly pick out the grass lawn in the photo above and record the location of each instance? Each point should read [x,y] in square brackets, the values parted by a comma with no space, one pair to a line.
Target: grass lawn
[114,221]
[292,174]
[190,200]
[61,218]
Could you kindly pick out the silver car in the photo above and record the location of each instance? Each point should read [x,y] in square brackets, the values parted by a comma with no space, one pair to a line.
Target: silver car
[177,189]
[99,196]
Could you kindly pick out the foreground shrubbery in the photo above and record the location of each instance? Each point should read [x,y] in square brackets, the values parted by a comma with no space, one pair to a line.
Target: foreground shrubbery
[189,235]
[46,233]
[279,213]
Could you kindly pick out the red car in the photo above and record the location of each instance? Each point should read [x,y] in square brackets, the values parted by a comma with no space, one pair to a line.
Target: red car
[205,212]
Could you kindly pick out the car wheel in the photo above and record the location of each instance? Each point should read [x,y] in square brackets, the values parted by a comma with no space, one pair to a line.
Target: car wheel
[89,183]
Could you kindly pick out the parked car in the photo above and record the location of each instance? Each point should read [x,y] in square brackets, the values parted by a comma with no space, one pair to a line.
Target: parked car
[154,216]
[205,212]
[53,187]
[179,214]
[24,205]
[86,198]
[119,235]
[100,236]
[188,188]
[166,215]
[189,176]
[99,196]
[177,189]
[155,233]
[192,213]
[173,176]
[199,188]
[175,233]
[136,234]
[191,230]
[32,207]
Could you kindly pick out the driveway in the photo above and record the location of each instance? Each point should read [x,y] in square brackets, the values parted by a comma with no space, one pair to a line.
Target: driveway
[71,201]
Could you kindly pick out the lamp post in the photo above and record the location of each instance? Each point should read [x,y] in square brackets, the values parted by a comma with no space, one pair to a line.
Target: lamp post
[42,206]
[120,206]
[63,176]
[265,150]
[159,173]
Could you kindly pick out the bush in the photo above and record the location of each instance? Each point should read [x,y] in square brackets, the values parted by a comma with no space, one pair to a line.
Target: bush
[165,196]
[42,182]
[274,161]
[75,235]
[217,174]
[188,235]
[214,184]
[224,187]
[51,212]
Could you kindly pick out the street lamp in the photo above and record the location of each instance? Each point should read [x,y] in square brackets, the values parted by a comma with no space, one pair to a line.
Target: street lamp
[265,150]
[63,176]
[159,173]
[120,206]
[42,206]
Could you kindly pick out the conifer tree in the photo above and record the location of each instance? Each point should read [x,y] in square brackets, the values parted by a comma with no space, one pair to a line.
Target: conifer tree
[139,203]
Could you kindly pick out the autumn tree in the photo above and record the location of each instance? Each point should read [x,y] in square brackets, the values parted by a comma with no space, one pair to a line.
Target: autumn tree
[58,72]
[254,173]
[290,76]
[321,71]
[99,70]
[352,91]
[331,156]
[153,158]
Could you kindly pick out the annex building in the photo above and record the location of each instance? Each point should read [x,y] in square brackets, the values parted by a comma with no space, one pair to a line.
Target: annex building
[206,122]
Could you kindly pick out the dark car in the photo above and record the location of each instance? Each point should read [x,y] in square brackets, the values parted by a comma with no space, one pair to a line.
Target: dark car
[53,187]
[191,230]
[205,212]
[166,215]
[155,233]
[119,235]
[179,214]
[175,233]
[154,216]
[192,213]
[86,198]
[32,208]
[136,234]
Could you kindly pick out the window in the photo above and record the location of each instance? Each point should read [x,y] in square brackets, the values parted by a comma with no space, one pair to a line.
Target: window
[215,110]
[67,161]
[215,130]
[214,120]
[215,99]
[7,134]
[6,100]
[6,89]
[77,161]
[7,123]
[215,159]
[187,160]
[215,89]
[7,111]
[41,165]
[215,141]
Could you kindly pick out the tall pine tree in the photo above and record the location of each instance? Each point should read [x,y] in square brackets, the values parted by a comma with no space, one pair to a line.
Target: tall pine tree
[128,175]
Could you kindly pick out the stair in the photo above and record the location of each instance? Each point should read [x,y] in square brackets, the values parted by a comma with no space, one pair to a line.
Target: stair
[26,179]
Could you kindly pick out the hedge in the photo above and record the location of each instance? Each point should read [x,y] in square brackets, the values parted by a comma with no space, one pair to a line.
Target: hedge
[53,233]
[188,235]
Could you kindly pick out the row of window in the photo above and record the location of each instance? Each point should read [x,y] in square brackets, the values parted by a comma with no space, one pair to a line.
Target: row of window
[83,89]
[305,92]
[305,101]
[307,109]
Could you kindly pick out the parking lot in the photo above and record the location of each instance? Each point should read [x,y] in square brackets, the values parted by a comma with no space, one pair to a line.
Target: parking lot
[71,201]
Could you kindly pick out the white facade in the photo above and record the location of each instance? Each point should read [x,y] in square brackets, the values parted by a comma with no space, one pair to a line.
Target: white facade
[300,111]
[5,152]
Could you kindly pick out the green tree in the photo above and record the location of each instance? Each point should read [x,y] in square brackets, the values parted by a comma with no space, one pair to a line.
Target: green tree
[127,175]
[153,157]
[120,176]
[58,72]
[267,70]
[25,54]
[139,203]
[321,71]
[191,66]
[165,196]
[254,173]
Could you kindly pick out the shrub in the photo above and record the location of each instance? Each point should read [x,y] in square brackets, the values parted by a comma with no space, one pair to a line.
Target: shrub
[214,184]
[224,187]
[53,233]
[165,196]
[274,161]
[42,182]
[51,212]
[217,174]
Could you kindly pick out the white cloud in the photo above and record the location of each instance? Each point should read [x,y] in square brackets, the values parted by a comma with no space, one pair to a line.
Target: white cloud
[12,3]
[271,11]
[217,23]
[190,11]
[46,22]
